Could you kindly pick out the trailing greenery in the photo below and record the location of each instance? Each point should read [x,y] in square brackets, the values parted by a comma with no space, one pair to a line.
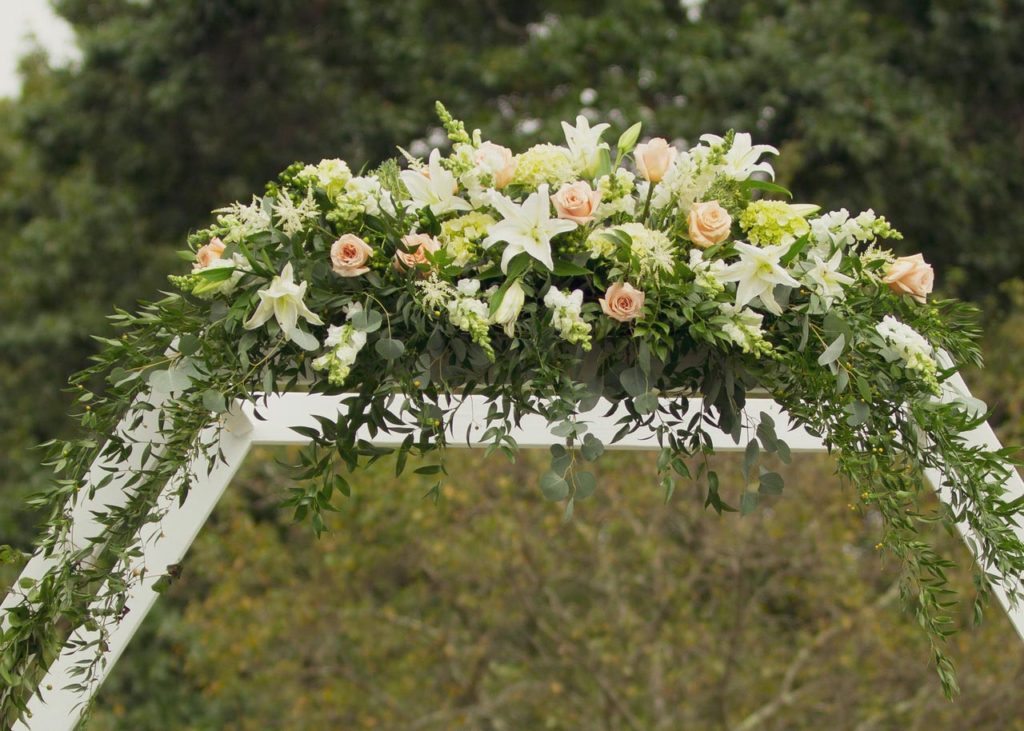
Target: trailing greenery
[640,288]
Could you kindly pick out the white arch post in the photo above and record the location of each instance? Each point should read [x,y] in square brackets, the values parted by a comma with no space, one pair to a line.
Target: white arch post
[62,695]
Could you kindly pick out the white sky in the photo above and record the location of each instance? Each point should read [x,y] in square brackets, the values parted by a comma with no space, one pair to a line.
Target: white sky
[20,19]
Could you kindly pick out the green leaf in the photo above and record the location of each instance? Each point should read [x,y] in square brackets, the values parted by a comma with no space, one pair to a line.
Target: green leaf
[188,345]
[305,340]
[627,140]
[592,448]
[553,486]
[568,269]
[646,403]
[214,401]
[389,348]
[519,264]
[634,381]
[367,321]
[833,351]
[771,483]
[585,484]
[794,250]
[748,503]
[750,457]
[765,185]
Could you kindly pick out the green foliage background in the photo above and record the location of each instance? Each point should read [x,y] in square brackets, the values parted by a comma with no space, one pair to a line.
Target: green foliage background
[486,612]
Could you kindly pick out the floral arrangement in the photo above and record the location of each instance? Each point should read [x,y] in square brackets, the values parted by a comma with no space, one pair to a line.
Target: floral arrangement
[545,280]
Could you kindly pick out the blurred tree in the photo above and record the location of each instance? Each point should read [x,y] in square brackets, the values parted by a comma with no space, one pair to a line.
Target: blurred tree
[488,612]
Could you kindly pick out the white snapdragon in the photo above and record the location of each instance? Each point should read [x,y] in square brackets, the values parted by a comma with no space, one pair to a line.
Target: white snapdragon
[343,344]
[743,327]
[470,314]
[906,344]
[567,317]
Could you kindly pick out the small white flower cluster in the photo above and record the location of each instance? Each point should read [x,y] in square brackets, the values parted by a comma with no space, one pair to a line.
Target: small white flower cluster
[744,328]
[836,229]
[343,344]
[616,192]
[294,218]
[243,221]
[567,317]
[685,182]
[706,272]
[906,344]
[652,249]
[361,195]
[470,314]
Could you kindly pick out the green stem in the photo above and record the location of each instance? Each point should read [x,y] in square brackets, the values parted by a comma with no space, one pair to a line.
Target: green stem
[647,203]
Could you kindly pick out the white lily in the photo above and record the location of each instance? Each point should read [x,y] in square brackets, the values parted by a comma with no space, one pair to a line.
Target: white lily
[757,273]
[584,142]
[282,300]
[825,278]
[528,227]
[436,192]
[741,161]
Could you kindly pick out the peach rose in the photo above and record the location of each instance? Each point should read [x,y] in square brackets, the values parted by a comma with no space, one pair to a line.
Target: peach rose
[622,302]
[498,161]
[654,158]
[417,246]
[576,202]
[911,275]
[349,255]
[209,254]
[710,224]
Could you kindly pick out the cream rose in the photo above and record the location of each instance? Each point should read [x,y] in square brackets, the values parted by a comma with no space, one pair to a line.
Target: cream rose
[349,255]
[498,161]
[622,302]
[654,158]
[417,246]
[209,253]
[710,224]
[911,275]
[576,202]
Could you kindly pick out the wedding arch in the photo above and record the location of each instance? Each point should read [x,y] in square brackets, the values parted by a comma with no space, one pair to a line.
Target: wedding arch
[658,299]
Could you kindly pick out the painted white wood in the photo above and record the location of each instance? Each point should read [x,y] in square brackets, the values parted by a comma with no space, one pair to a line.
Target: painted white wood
[269,421]
[164,543]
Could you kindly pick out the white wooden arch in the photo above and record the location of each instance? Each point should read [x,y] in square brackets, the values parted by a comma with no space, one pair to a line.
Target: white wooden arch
[57,707]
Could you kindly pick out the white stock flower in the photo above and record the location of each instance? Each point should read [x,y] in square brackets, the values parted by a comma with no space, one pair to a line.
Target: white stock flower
[757,273]
[741,161]
[282,300]
[436,192]
[566,316]
[904,343]
[584,142]
[528,227]
[744,328]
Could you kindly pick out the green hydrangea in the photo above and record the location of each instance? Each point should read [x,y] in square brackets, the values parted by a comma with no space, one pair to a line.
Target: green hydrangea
[462,236]
[541,164]
[768,223]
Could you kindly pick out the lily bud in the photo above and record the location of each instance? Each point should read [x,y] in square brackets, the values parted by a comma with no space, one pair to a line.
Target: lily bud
[510,307]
